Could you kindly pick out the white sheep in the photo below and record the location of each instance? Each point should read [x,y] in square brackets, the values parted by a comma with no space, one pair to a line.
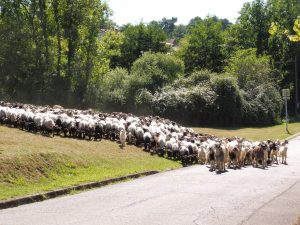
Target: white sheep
[283,152]
[122,137]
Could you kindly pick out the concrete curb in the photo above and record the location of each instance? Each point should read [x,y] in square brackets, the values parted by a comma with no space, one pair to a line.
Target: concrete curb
[293,136]
[59,192]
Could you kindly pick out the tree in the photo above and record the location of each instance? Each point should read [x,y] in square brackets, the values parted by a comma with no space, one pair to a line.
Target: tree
[137,40]
[228,101]
[154,70]
[49,48]
[251,29]
[18,60]
[283,50]
[203,47]
[276,29]
[179,32]
[168,25]
[249,68]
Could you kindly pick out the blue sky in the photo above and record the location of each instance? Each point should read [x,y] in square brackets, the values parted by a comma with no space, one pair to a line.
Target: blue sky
[135,11]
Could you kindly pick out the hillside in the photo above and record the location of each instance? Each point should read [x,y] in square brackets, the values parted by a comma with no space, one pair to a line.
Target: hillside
[32,163]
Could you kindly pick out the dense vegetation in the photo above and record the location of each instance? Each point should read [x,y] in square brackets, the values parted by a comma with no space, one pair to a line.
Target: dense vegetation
[217,73]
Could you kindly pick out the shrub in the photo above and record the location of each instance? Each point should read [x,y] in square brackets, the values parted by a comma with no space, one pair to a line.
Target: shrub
[247,67]
[261,105]
[152,71]
[228,101]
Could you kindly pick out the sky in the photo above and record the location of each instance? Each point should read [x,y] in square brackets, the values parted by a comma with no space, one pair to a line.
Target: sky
[136,11]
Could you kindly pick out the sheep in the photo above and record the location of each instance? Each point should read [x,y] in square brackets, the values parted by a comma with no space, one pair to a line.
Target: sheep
[283,152]
[169,149]
[3,117]
[98,130]
[201,155]
[38,121]
[161,143]
[48,125]
[139,136]
[131,130]
[82,128]
[220,157]
[90,130]
[122,137]
[154,132]
[147,141]
[274,147]
[211,157]
[245,156]
[259,155]
[184,153]
[175,150]
[234,154]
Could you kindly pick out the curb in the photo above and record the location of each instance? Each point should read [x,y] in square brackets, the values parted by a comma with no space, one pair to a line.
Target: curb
[59,192]
[293,136]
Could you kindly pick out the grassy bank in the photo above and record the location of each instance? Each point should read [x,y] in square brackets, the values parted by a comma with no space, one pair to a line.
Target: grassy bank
[253,133]
[31,163]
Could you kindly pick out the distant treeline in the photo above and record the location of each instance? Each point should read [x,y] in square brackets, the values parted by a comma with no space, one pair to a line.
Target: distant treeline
[209,71]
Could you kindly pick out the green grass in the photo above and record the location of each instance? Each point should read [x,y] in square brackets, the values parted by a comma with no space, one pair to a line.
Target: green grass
[253,133]
[31,163]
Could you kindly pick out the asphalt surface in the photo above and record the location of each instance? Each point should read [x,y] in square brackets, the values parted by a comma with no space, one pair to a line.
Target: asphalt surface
[191,195]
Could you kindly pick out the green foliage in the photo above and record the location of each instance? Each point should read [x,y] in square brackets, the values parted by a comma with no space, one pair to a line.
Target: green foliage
[296,28]
[228,101]
[143,102]
[200,76]
[139,39]
[154,70]
[261,105]
[247,67]
[214,99]
[202,98]
[71,51]
[203,47]
[253,26]
[49,48]
[117,90]
[168,25]
[282,51]
[111,92]
[109,47]
[179,32]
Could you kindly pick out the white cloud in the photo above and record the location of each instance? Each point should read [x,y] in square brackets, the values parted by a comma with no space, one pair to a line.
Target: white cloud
[134,11]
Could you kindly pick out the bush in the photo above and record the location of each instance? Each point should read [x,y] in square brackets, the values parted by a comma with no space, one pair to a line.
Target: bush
[214,100]
[143,102]
[152,71]
[261,105]
[228,101]
[247,67]
[217,101]
[111,92]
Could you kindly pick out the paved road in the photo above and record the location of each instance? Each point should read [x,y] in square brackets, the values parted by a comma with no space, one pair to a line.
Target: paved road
[190,195]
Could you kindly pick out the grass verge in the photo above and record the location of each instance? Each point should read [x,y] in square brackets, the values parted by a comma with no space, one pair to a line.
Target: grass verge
[253,133]
[31,163]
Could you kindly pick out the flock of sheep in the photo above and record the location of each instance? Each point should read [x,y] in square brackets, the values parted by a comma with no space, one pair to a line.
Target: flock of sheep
[156,135]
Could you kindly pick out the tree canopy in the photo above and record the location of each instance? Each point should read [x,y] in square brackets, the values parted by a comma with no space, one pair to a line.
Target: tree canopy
[209,71]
